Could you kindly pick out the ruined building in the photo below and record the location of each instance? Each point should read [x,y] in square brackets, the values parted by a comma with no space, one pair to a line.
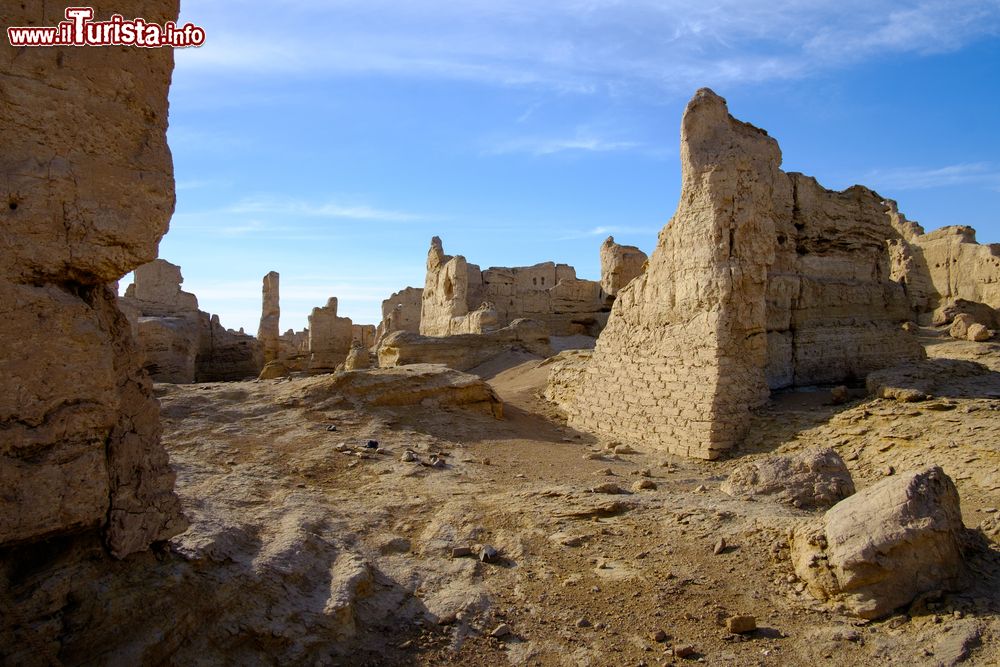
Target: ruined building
[459,298]
[761,280]
[943,266]
[179,342]
[363,335]
[293,349]
[269,332]
[620,265]
[330,338]
[400,312]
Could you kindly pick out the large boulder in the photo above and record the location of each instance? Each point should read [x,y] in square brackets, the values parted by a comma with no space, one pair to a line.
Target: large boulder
[980,312]
[881,548]
[813,478]
[357,359]
[960,326]
[978,333]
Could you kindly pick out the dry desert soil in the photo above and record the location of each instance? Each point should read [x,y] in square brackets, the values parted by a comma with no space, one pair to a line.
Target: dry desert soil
[302,517]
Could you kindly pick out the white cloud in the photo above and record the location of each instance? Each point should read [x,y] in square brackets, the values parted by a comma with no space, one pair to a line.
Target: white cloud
[918,178]
[540,146]
[330,209]
[577,45]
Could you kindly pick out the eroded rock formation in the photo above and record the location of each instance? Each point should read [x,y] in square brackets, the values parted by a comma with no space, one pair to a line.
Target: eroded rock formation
[882,547]
[761,280]
[84,204]
[414,384]
[463,351]
[400,312]
[548,293]
[620,264]
[809,479]
[330,338]
[269,333]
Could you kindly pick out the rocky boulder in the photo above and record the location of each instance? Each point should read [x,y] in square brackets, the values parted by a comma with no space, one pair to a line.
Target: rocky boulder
[978,333]
[428,385]
[965,327]
[980,312]
[273,370]
[881,548]
[357,358]
[813,478]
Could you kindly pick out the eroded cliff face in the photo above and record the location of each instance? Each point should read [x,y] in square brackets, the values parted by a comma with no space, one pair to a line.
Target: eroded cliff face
[761,280]
[86,186]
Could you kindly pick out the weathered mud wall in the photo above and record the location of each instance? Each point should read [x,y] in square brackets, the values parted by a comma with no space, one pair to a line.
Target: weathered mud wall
[179,342]
[330,338]
[269,333]
[620,265]
[833,312]
[548,293]
[86,187]
[400,312]
[761,280]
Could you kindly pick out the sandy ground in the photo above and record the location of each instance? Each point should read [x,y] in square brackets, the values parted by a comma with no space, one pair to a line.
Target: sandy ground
[580,578]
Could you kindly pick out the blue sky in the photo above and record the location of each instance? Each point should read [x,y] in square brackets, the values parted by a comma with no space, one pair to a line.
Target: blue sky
[329,140]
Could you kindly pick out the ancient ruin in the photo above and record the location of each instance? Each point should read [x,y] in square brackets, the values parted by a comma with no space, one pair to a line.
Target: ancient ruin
[363,335]
[294,349]
[400,312]
[80,448]
[179,342]
[761,280]
[330,338]
[620,265]
[463,351]
[459,298]
[269,333]
[497,490]
[943,267]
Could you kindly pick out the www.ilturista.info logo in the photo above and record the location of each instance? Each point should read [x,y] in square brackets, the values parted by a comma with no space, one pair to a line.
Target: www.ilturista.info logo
[79,30]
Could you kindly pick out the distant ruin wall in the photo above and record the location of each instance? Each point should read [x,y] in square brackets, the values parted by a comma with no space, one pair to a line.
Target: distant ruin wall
[83,203]
[761,280]
[463,351]
[548,293]
[330,338]
[179,342]
[957,266]
[401,312]
[620,265]
[363,335]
